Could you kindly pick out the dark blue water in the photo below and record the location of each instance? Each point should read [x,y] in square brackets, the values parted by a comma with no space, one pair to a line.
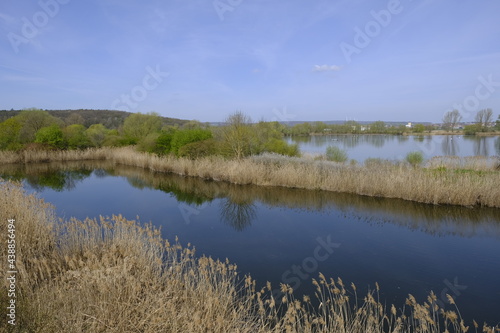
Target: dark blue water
[289,236]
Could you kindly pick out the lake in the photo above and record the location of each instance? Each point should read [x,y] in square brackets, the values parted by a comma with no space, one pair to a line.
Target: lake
[290,235]
[395,147]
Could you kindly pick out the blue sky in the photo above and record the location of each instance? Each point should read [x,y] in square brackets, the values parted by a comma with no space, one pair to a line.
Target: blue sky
[408,60]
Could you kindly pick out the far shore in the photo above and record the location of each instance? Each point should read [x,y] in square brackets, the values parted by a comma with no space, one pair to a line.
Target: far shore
[436,132]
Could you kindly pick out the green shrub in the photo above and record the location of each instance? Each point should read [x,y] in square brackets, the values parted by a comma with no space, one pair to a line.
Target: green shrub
[415,158]
[471,129]
[75,137]
[198,149]
[148,143]
[164,143]
[334,153]
[279,146]
[50,135]
[183,137]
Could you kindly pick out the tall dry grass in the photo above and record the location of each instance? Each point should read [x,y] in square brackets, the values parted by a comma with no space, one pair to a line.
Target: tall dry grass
[441,182]
[115,275]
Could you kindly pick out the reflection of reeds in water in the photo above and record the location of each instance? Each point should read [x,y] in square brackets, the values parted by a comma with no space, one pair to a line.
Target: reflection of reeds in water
[434,219]
[114,275]
[427,185]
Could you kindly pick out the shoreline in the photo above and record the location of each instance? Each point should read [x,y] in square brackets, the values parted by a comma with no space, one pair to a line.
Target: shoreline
[436,132]
[471,185]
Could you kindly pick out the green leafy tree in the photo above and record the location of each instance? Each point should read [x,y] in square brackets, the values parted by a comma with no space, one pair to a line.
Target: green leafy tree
[75,137]
[184,137]
[319,127]
[351,126]
[148,143]
[9,134]
[32,121]
[419,128]
[378,127]
[138,125]
[51,136]
[302,129]
[279,146]
[264,133]
[164,142]
[471,129]
[96,133]
[74,118]
[198,149]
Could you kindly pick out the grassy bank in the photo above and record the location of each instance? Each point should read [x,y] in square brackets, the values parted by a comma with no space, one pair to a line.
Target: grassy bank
[454,181]
[114,275]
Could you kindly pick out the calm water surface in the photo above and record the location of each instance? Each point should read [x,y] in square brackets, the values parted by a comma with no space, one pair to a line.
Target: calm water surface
[285,235]
[395,147]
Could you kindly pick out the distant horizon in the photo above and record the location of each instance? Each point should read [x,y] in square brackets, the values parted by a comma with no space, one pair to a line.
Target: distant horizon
[329,122]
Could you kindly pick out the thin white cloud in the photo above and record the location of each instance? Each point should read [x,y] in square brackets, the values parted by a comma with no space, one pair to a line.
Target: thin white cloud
[7,18]
[21,78]
[326,68]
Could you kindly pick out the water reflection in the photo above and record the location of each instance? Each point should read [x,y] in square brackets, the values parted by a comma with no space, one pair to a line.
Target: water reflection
[363,146]
[238,215]
[480,146]
[238,207]
[450,145]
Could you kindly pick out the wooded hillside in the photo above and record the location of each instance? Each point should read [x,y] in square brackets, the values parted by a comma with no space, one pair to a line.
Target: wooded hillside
[111,119]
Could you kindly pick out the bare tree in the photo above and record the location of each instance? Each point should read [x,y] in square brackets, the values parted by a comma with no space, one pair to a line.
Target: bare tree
[237,135]
[484,118]
[451,119]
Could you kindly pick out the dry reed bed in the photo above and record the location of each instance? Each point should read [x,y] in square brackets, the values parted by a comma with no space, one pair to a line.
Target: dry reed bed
[439,183]
[114,275]
[435,219]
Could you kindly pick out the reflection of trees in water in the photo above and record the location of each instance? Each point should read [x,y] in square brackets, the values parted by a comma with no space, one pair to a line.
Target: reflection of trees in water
[58,181]
[137,182]
[480,147]
[497,145]
[238,209]
[450,145]
[402,138]
[419,138]
[317,140]
[479,144]
[100,173]
[351,141]
[377,140]
[238,215]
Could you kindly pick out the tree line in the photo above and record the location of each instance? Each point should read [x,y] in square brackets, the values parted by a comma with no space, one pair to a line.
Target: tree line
[111,119]
[239,137]
[353,127]
[483,121]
